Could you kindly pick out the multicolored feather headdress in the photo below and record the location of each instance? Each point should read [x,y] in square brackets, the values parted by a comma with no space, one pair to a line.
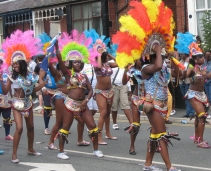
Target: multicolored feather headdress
[21,46]
[100,42]
[183,42]
[195,49]
[75,47]
[146,23]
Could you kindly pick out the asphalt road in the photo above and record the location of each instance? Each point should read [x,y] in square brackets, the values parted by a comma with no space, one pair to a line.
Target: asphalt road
[185,155]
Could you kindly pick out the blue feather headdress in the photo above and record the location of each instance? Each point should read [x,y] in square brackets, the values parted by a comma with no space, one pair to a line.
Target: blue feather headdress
[183,42]
[101,42]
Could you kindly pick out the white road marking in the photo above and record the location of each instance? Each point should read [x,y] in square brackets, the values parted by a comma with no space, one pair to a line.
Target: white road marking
[49,166]
[139,160]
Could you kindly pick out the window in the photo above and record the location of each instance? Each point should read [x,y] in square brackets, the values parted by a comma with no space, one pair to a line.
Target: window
[200,7]
[1,31]
[86,16]
[55,28]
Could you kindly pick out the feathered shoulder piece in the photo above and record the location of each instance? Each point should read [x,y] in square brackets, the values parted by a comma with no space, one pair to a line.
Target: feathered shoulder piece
[75,47]
[21,46]
[183,42]
[145,24]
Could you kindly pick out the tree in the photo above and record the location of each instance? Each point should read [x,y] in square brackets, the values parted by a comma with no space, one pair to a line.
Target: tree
[206,28]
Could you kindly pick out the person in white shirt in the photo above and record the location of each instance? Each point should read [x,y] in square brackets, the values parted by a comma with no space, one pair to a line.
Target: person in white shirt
[89,71]
[31,65]
[120,96]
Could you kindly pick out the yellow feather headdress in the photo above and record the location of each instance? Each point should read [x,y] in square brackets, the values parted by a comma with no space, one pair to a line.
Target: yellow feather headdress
[145,23]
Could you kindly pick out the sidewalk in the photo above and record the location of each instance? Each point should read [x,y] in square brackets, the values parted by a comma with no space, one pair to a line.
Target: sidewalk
[176,118]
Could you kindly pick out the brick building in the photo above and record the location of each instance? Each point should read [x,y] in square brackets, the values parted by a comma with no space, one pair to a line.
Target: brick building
[52,16]
[179,8]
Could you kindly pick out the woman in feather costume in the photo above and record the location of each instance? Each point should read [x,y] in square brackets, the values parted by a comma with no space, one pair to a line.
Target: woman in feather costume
[74,53]
[18,48]
[103,92]
[145,30]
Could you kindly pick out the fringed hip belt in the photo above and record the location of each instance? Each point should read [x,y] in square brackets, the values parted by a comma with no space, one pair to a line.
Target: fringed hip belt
[161,106]
[23,105]
[198,95]
[108,94]
[5,101]
[73,106]
[57,95]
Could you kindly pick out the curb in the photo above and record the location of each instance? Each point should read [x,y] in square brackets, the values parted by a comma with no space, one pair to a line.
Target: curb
[143,118]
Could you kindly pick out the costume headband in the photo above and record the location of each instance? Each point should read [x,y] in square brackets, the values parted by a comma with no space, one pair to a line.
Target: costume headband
[195,49]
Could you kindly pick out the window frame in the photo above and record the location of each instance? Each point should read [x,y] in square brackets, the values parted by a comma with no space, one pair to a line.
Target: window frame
[85,19]
[1,33]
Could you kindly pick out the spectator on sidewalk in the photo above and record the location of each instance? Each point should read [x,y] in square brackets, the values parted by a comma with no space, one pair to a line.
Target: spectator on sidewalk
[38,93]
[184,86]
[207,85]
[120,96]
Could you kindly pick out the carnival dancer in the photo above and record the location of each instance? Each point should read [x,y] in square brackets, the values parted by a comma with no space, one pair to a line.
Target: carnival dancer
[207,84]
[134,72]
[142,39]
[103,92]
[75,52]
[18,48]
[196,94]
[197,74]
[183,41]
[56,88]
[5,106]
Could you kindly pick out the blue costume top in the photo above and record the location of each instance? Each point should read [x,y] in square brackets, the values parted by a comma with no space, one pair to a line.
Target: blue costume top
[159,81]
[51,82]
[4,75]
[27,84]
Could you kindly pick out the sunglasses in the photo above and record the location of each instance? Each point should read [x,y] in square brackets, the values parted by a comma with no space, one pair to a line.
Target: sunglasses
[77,61]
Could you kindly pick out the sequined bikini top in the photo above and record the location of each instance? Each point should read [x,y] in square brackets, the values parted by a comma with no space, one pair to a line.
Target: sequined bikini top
[105,70]
[61,81]
[78,80]
[198,77]
[27,84]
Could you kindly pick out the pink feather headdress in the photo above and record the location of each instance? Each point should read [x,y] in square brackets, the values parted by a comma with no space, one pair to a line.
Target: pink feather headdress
[21,46]
[75,47]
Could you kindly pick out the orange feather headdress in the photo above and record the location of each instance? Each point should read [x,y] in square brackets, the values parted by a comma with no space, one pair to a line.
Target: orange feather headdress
[146,23]
[20,46]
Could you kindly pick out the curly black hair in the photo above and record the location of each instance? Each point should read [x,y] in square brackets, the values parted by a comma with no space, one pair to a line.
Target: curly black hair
[23,69]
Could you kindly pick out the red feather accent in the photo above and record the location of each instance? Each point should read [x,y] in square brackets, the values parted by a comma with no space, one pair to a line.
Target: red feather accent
[139,13]
[130,42]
